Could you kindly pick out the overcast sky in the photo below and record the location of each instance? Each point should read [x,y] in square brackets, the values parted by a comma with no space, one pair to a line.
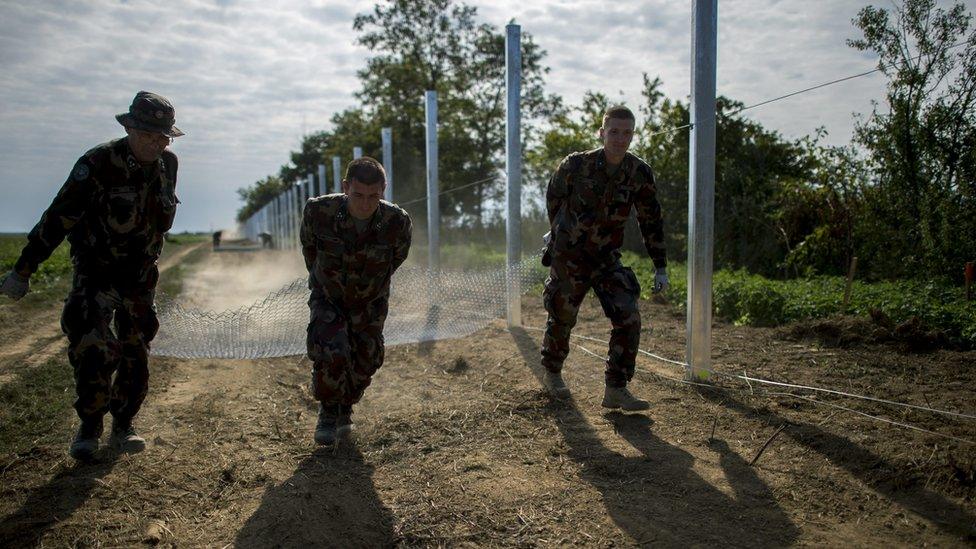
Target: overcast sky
[248,77]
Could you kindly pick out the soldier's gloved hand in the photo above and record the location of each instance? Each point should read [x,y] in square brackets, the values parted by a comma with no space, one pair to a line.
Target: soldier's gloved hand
[661,281]
[14,286]
[546,238]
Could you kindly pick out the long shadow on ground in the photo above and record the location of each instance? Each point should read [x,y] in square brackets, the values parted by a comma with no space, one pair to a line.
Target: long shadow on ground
[657,498]
[330,501]
[56,501]
[873,470]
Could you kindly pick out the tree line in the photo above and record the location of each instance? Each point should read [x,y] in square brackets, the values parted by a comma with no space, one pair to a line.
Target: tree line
[901,196]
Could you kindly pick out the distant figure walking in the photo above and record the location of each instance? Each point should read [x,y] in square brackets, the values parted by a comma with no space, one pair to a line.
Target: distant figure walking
[216,238]
[114,208]
[352,244]
[589,199]
[266,241]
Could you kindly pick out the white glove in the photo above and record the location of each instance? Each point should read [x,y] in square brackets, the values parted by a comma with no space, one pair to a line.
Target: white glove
[546,237]
[661,281]
[14,286]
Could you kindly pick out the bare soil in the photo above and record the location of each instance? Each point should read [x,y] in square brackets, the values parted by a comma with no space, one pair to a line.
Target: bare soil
[456,444]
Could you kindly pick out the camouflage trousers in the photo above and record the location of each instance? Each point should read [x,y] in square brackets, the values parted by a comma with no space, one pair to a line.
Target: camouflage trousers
[618,290]
[346,348]
[96,352]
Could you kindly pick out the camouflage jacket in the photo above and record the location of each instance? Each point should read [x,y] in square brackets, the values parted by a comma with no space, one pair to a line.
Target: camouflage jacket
[350,268]
[113,211]
[588,208]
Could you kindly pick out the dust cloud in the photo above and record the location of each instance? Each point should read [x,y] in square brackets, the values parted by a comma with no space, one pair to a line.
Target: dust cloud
[229,280]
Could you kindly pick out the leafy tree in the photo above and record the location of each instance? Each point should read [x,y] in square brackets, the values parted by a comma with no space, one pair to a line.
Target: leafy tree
[307,160]
[921,203]
[752,166]
[421,45]
[259,194]
[818,218]
[437,45]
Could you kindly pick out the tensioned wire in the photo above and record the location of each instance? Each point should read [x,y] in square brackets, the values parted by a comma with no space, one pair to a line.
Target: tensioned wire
[795,93]
[803,397]
[749,379]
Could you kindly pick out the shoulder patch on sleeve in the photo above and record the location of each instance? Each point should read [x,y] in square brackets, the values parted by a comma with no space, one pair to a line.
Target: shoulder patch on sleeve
[80,172]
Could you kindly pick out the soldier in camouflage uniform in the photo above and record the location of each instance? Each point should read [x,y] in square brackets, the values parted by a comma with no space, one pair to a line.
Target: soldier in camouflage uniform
[352,243]
[114,208]
[589,199]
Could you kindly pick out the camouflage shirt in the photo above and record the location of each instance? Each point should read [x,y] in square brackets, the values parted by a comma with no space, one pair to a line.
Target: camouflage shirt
[349,267]
[588,208]
[113,211]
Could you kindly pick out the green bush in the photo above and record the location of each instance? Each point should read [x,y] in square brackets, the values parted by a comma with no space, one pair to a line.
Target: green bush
[744,298]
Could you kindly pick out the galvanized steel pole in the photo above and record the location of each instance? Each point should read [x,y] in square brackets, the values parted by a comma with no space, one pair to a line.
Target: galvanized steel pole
[433,202]
[337,174]
[298,203]
[701,188]
[323,187]
[290,205]
[513,169]
[277,221]
[286,218]
[357,152]
[311,187]
[274,221]
[387,136]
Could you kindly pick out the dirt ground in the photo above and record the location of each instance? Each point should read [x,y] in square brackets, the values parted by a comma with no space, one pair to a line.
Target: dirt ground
[457,445]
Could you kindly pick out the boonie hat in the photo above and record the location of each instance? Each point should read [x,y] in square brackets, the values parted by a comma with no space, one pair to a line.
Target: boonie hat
[151,112]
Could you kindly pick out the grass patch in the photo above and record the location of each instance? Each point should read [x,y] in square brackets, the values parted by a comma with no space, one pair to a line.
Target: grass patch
[171,282]
[53,273]
[753,300]
[36,407]
[37,401]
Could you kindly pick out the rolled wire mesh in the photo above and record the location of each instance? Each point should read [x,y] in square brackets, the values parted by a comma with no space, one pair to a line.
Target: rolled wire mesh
[424,306]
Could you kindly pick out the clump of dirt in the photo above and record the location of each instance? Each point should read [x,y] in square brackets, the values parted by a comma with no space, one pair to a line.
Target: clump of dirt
[849,331]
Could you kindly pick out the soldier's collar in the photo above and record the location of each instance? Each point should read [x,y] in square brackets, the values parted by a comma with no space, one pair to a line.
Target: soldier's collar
[601,159]
[345,220]
[131,163]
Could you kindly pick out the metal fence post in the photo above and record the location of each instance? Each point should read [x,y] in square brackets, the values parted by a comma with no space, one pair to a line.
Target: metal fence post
[701,186]
[387,136]
[513,169]
[433,202]
[337,174]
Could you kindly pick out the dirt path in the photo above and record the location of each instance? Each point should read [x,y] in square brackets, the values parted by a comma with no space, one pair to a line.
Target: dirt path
[457,445]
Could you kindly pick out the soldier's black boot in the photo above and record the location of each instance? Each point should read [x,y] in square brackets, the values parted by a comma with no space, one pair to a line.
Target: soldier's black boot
[620,397]
[124,438]
[85,444]
[554,384]
[344,422]
[325,429]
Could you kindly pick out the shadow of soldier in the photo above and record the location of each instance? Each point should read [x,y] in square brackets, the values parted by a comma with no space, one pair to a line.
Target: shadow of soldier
[657,498]
[876,472]
[56,501]
[330,501]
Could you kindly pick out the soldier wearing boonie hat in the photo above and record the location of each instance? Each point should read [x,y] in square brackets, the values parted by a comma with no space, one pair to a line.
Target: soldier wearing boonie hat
[114,208]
